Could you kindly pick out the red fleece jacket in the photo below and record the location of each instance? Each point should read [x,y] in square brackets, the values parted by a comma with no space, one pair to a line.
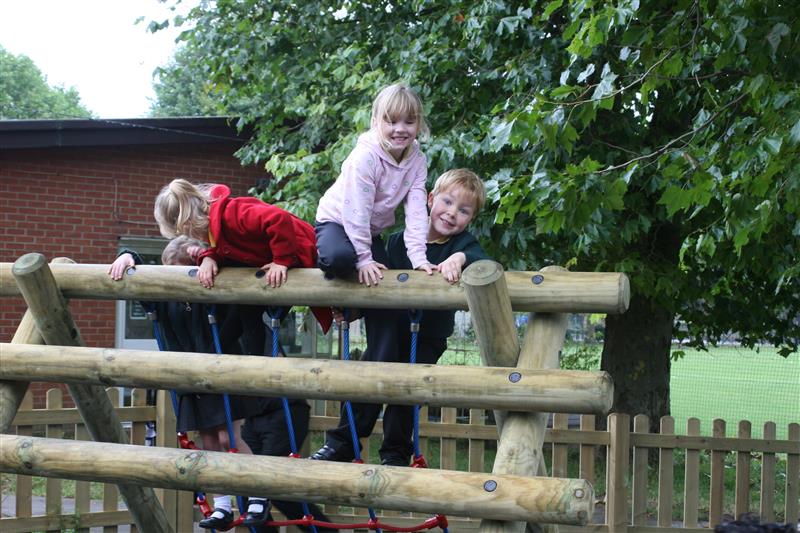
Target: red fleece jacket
[250,231]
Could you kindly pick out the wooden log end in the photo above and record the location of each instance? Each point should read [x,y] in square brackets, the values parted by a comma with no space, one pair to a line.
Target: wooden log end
[624,294]
[481,273]
[28,263]
[607,394]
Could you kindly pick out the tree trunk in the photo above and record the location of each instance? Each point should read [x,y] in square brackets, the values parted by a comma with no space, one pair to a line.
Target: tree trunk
[636,353]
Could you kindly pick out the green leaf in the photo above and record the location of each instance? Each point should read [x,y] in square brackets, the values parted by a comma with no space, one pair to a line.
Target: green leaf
[778,31]
[675,199]
[794,133]
[550,8]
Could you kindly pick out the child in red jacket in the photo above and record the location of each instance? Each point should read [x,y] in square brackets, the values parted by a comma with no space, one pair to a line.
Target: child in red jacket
[241,231]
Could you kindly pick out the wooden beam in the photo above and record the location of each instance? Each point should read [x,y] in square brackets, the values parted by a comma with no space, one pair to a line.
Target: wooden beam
[496,334]
[410,489]
[577,292]
[521,435]
[12,392]
[54,322]
[571,391]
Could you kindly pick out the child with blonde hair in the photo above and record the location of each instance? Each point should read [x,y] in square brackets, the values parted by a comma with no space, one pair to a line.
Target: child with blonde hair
[184,327]
[456,199]
[241,231]
[385,169]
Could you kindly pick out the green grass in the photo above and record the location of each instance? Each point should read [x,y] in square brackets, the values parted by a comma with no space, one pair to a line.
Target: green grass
[727,382]
[736,384]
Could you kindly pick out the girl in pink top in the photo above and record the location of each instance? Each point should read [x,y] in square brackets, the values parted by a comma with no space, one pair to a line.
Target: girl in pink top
[385,168]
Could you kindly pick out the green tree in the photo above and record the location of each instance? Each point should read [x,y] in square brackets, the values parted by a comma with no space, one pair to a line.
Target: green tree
[25,94]
[659,139]
[184,90]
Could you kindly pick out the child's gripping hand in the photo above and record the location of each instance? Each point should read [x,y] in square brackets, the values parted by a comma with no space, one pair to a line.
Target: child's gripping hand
[451,267]
[370,274]
[276,274]
[427,267]
[208,269]
[120,265]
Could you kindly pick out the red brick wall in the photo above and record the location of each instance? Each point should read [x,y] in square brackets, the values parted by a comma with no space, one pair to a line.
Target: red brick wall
[77,203]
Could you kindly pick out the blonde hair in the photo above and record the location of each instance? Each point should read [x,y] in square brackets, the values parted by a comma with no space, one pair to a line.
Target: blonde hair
[181,208]
[176,252]
[399,99]
[465,179]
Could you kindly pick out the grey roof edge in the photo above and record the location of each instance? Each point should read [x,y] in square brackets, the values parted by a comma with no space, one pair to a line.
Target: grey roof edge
[50,133]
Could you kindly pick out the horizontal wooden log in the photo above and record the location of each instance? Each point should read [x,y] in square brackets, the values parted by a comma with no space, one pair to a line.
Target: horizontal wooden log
[552,292]
[563,391]
[507,497]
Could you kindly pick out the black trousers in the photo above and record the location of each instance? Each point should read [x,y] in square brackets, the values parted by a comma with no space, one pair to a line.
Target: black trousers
[336,254]
[388,340]
[267,434]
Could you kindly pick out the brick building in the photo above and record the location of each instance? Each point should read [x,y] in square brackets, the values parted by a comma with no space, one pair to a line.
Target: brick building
[84,188]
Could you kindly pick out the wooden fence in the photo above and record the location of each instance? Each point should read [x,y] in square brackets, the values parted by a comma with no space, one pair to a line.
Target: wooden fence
[634,471]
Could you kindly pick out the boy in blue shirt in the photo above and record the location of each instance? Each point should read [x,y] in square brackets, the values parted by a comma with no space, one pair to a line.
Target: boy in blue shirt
[456,199]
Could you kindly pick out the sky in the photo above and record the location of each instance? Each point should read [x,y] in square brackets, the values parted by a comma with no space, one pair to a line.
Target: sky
[94,46]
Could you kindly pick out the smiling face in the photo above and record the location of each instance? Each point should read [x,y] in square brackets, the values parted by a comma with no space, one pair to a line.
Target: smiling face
[399,132]
[451,212]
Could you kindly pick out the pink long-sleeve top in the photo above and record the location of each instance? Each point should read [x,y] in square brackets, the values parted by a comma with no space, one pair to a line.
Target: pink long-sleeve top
[371,186]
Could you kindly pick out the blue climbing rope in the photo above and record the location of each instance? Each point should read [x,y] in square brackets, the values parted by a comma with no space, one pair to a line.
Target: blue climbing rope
[345,332]
[415,317]
[275,316]
[212,320]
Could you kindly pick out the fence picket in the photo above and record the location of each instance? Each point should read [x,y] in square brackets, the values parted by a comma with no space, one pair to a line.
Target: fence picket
[447,450]
[793,477]
[641,424]
[52,503]
[587,451]
[717,489]
[626,491]
[766,508]
[617,462]
[742,502]
[691,488]
[24,489]
[82,488]
[560,421]
[110,491]
[477,417]
[666,475]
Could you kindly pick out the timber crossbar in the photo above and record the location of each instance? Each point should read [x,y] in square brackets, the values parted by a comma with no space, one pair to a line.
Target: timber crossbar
[543,291]
[500,497]
[562,391]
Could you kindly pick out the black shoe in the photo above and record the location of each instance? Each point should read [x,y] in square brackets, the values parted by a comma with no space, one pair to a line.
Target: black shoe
[327,453]
[394,461]
[257,512]
[219,519]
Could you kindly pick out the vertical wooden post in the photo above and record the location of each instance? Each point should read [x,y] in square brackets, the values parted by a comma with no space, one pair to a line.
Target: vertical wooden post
[717,488]
[521,435]
[742,501]
[12,392]
[641,424]
[24,488]
[617,465]
[54,322]
[587,451]
[178,505]
[766,508]
[666,475]
[53,491]
[691,491]
[793,477]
